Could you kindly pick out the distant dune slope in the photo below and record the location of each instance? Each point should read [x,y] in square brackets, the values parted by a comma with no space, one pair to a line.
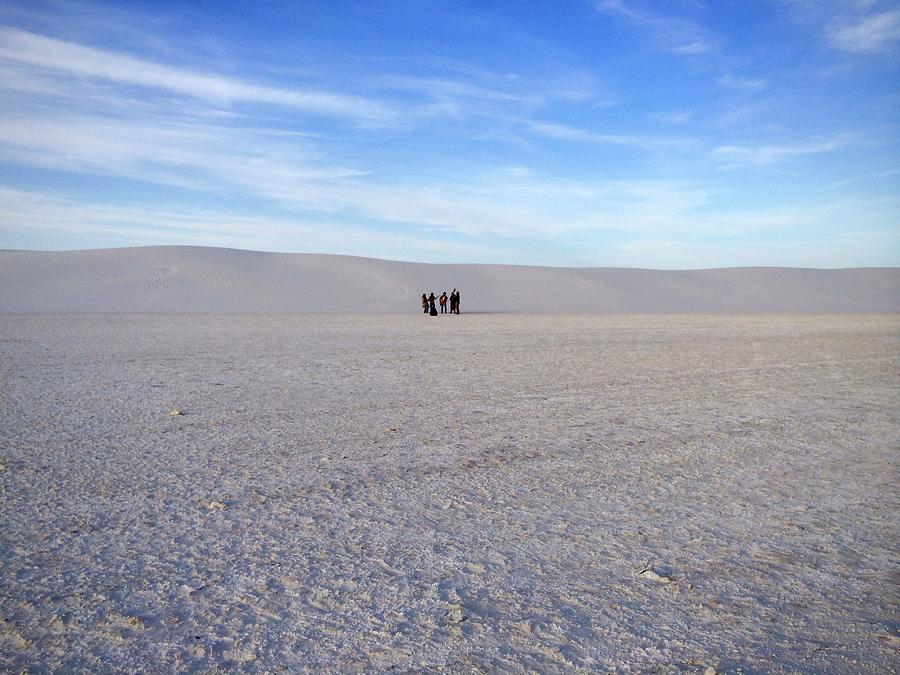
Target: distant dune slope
[183,279]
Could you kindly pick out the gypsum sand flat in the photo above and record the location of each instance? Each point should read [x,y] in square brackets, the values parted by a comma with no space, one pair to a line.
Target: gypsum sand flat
[516,492]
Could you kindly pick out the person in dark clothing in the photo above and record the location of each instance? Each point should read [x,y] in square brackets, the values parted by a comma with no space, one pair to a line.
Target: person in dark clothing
[424,304]
[443,301]
[431,308]
[453,301]
[456,304]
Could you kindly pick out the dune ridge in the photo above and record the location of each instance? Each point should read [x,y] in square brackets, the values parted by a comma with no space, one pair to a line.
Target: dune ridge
[189,279]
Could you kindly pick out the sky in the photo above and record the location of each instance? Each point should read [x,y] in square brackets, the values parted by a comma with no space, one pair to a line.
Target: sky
[673,134]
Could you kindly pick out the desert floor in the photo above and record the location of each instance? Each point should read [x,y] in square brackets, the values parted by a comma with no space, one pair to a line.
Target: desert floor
[342,493]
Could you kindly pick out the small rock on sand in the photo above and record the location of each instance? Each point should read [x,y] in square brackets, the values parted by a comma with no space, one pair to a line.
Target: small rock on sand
[653,576]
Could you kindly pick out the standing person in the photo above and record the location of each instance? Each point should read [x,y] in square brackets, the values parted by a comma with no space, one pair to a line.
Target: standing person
[431,308]
[443,301]
[453,301]
[457,302]
[424,304]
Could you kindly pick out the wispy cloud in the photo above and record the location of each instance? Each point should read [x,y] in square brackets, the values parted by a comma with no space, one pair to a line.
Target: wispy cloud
[692,48]
[833,231]
[564,132]
[226,160]
[281,170]
[673,116]
[35,50]
[854,26]
[863,178]
[832,251]
[743,83]
[171,152]
[870,33]
[485,156]
[445,88]
[771,153]
[675,34]
[287,170]
[456,92]
[63,222]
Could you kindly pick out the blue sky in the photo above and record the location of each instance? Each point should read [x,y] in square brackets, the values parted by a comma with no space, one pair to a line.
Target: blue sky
[667,134]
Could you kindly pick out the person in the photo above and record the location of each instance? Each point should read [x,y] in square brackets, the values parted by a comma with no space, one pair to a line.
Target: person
[431,308]
[453,301]
[443,301]
[456,304]
[424,304]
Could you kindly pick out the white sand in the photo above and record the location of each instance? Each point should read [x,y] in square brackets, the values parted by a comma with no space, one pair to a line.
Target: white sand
[180,279]
[342,493]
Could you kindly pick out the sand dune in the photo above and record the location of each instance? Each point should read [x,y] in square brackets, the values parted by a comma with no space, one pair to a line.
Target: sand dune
[182,279]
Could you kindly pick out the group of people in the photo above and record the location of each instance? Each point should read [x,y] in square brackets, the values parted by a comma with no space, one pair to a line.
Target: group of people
[428,303]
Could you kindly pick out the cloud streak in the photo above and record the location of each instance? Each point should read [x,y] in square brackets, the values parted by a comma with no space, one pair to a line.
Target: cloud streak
[258,164]
[868,34]
[743,83]
[77,60]
[768,154]
[63,222]
[674,34]
[564,132]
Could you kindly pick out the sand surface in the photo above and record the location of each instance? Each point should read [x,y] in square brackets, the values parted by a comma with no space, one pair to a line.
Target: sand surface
[350,493]
[186,279]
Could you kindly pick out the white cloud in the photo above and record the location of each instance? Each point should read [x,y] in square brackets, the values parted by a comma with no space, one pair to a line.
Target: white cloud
[676,117]
[868,34]
[252,163]
[743,83]
[63,222]
[35,50]
[280,170]
[766,154]
[443,88]
[866,177]
[828,234]
[518,171]
[675,34]
[688,49]
[564,132]
[839,250]
[96,112]
[176,153]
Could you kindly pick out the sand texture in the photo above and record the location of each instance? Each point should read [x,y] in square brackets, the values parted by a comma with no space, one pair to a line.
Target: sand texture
[182,279]
[360,493]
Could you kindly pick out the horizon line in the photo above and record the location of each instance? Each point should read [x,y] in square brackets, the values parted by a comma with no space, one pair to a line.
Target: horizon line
[467,264]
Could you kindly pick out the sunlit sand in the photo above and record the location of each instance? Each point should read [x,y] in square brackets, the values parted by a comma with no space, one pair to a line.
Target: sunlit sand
[354,492]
